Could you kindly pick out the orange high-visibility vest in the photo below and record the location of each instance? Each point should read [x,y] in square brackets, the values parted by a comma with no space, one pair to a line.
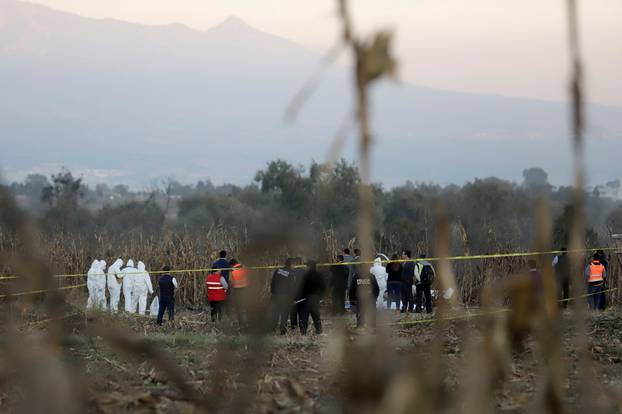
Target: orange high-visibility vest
[215,290]
[239,276]
[597,272]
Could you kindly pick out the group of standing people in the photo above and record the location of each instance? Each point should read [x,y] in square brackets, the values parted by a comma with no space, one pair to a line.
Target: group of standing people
[404,283]
[134,282]
[296,291]
[226,287]
[297,288]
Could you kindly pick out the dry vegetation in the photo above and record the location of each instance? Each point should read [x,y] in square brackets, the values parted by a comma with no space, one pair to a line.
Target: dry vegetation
[518,353]
[68,255]
[344,370]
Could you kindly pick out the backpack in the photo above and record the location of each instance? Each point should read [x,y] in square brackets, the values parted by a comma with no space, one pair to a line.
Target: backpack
[427,274]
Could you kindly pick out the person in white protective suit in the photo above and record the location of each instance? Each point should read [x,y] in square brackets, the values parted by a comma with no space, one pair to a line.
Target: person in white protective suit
[91,284]
[114,284]
[129,275]
[381,275]
[142,287]
[100,287]
[96,285]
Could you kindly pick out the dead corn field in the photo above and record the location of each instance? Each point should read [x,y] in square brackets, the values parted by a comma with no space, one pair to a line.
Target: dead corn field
[68,255]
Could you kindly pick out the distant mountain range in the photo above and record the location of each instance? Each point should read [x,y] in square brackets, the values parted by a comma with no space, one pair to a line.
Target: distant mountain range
[130,103]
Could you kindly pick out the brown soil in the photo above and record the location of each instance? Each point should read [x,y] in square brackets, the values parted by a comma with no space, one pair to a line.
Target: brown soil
[231,371]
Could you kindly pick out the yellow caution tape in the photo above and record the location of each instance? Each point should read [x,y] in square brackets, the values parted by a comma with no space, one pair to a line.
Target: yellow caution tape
[273,267]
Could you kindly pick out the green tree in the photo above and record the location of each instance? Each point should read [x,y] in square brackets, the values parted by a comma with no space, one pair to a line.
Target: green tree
[536,180]
[496,214]
[286,184]
[64,192]
[64,212]
[562,229]
[145,217]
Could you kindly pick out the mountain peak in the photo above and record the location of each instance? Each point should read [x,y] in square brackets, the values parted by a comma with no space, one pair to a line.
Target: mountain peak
[233,24]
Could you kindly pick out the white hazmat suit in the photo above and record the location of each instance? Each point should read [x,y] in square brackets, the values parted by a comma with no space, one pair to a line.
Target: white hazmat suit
[114,284]
[90,283]
[96,285]
[101,286]
[142,287]
[128,274]
[380,273]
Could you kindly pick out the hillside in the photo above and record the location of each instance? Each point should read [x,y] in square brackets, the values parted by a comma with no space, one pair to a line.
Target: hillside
[132,103]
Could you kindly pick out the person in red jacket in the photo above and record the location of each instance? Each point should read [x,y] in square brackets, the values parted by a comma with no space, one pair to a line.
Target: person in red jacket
[217,288]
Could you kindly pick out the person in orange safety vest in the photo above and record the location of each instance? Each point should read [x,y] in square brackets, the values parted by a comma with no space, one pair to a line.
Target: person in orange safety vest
[596,278]
[239,275]
[239,292]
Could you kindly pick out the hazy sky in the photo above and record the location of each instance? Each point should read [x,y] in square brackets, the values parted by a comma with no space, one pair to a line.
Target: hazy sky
[507,47]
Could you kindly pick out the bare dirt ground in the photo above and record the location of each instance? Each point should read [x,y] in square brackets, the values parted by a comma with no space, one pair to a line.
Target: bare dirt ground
[230,371]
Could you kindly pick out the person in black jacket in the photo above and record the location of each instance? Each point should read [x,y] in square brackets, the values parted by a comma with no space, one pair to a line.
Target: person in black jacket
[394,282]
[561,266]
[424,277]
[281,291]
[313,288]
[297,278]
[339,285]
[167,284]
[407,279]
[360,286]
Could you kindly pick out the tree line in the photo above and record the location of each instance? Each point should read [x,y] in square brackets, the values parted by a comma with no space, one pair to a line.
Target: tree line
[487,214]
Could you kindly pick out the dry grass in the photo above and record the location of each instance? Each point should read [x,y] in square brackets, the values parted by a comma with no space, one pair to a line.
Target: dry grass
[525,358]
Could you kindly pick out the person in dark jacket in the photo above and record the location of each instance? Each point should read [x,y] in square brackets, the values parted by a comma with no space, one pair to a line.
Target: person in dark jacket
[360,286]
[407,279]
[339,284]
[348,258]
[167,284]
[394,282]
[424,277]
[561,266]
[313,288]
[281,292]
[222,263]
[297,279]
